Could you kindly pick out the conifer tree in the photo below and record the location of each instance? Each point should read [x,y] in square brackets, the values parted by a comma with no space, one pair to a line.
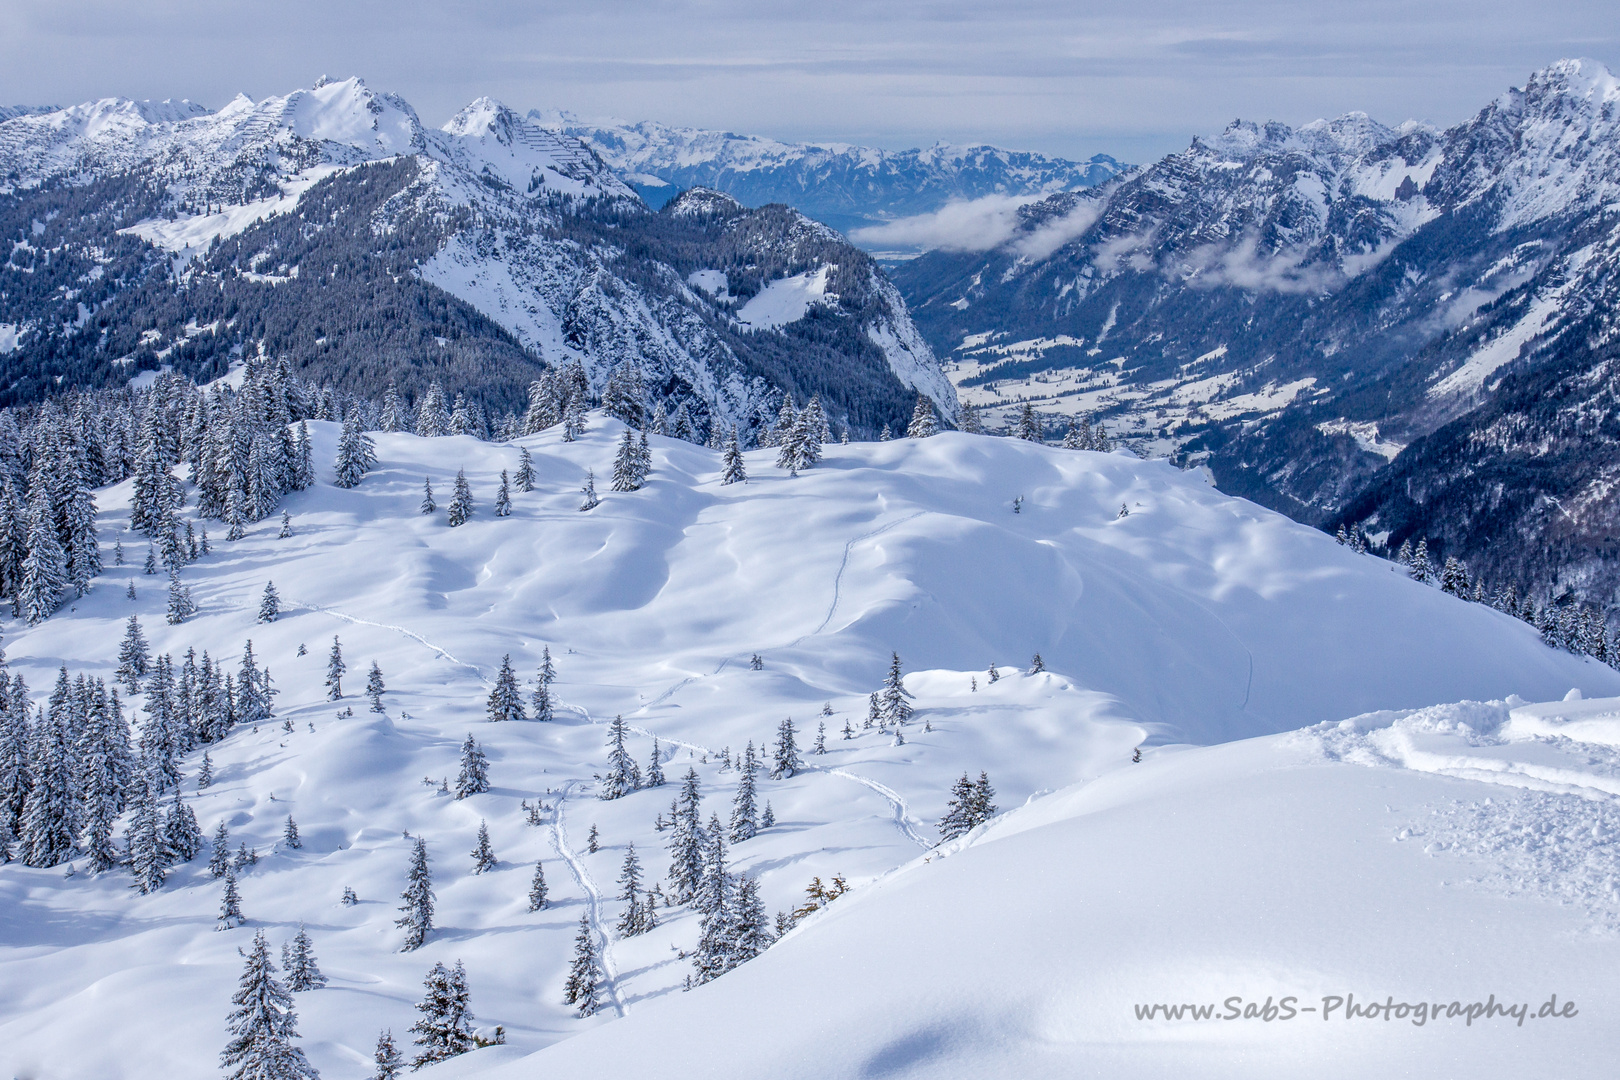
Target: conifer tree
[269,603]
[896,709]
[483,855]
[503,497]
[335,667]
[444,1029]
[505,699]
[230,903]
[303,973]
[375,688]
[148,858]
[219,858]
[1421,570]
[581,990]
[786,763]
[714,956]
[387,1058]
[49,816]
[356,454]
[958,817]
[474,776]
[286,526]
[181,606]
[542,685]
[655,768]
[923,420]
[744,814]
[686,843]
[263,1025]
[768,818]
[289,834]
[432,418]
[750,937]
[537,887]
[416,917]
[1037,665]
[821,739]
[627,464]
[44,570]
[133,656]
[461,501]
[984,807]
[632,921]
[590,501]
[734,471]
[181,833]
[428,505]
[622,776]
[1029,427]
[525,473]
[591,844]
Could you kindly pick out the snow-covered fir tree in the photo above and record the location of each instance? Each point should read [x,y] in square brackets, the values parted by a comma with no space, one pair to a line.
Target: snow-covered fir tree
[590,500]
[744,811]
[230,902]
[375,688]
[655,768]
[525,472]
[582,988]
[734,470]
[622,776]
[432,417]
[335,667]
[503,497]
[461,501]
[483,855]
[219,858]
[148,855]
[687,841]
[505,699]
[542,685]
[428,505]
[269,603]
[1029,427]
[387,1061]
[181,605]
[924,422]
[416,909]
[181,833]
[633,920]
[473,779]
[627,474]
[356,454]
[263,1025]
[537,887]
[786,763]
[444,1028]
[133,656]
[303,972]
[289,834]
[714,902]
[50,811]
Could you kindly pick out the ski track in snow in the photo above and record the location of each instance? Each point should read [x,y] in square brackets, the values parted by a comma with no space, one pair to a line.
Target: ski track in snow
[413,635]
[903,819]
[593,895]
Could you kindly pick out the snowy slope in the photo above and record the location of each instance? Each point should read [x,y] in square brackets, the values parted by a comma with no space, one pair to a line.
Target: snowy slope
[1197,618]
[1318,866]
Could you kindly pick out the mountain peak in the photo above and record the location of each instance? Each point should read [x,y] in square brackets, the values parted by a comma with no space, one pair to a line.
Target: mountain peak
[700,200]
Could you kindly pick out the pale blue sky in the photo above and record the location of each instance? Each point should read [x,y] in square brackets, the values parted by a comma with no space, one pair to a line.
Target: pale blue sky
[1133,79]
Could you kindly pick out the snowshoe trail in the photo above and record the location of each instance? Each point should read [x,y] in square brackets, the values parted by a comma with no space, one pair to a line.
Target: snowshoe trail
[903,819]
[593,896]
[413,635]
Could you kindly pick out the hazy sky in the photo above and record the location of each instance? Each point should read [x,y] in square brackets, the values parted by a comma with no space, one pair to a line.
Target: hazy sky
[1134,78]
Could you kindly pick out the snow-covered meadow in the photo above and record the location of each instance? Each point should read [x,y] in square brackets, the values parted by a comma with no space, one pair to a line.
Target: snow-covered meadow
[1272,865]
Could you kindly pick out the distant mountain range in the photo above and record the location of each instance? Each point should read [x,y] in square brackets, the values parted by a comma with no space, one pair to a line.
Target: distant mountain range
[842,185]
[331,227]
[1408,329]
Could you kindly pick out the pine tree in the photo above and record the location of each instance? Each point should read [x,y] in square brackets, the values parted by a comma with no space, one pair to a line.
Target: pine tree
[416,917]
[432,418]
[590,501]
[786,763]
[1029,427]
[735,471]
[219,859]
[537,888]
[714,956]
[1037,665]
[984,808]
[591,844]
[286,527]
[49,817]
[148,857]
[269,603]
[749,934]
[542,686]
[375,688]
[655,768]
[289,834]
[923,420]
[505,699]
[483,855]
[994,675]
[632,921]
[230,903]
[821,739]
[525,474]
[356,453]
[474,776]
[263,1025]
[744,815]
[133,656]
[958,817]
[503,498]
[387,1058]
[686,843]
[181,606]
[181,834]
[428,505]
[1421,570]
[622,777]
[461,501]
[581,990]
[627,464]
[896,709]
[445,1027]
[335,667]
[968,420]
[44,570]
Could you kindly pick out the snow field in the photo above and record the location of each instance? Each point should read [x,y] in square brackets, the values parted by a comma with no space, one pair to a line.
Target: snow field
[1198,618]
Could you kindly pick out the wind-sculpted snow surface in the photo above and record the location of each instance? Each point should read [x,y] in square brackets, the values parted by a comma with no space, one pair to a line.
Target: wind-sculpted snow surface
[1196,618]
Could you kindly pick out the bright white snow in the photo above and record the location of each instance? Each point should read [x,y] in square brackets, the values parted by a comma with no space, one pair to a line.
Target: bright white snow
[785,300]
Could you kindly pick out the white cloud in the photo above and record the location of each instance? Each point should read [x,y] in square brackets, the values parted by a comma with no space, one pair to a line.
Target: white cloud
[965,225]
[1048,237]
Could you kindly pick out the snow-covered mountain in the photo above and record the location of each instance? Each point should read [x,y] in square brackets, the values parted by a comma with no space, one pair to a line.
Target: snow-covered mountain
[1402,327]
[147,233]
[1365,858]
[843,185]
